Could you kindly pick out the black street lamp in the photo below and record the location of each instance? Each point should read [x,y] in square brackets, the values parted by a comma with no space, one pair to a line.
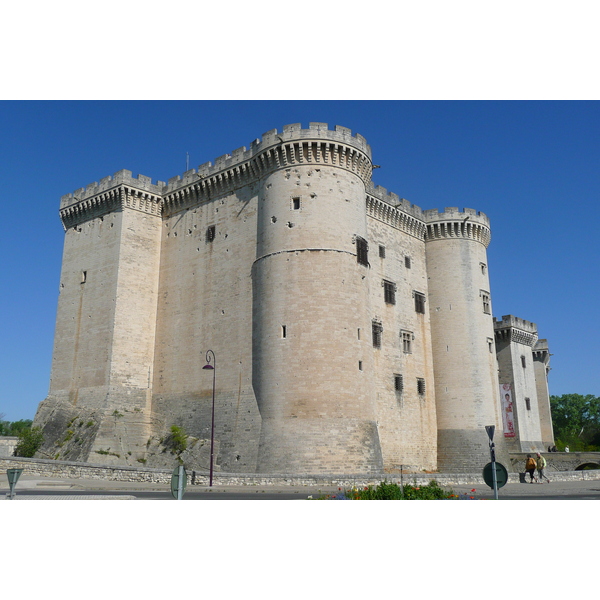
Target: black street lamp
[212,367]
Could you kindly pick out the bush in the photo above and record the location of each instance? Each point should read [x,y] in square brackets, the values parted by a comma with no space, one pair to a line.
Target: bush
[392,491]
[30,441]
[177,440]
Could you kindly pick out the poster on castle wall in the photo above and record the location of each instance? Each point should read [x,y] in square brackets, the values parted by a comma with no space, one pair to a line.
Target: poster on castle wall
[507,410]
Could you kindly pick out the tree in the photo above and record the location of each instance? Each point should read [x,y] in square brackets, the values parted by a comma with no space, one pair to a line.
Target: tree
[576,421]
[30,441]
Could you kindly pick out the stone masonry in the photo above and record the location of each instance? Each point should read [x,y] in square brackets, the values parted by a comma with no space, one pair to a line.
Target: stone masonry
[352,331]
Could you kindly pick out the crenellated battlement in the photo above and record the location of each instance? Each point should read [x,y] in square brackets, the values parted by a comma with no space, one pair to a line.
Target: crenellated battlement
[122,177]
[100,198]
[397,212]
[453,223]
[516,330]
[317,145]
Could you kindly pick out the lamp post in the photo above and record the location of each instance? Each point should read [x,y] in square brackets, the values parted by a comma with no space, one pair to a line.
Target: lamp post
[212,367]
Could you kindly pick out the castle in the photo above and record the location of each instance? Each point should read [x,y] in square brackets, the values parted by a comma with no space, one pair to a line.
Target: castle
[352,331]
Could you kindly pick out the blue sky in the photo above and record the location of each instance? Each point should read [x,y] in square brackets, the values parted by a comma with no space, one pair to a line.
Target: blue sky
[532,166]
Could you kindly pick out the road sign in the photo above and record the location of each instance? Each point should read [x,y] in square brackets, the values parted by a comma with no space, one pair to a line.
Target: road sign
[178,482]
[501,475]
[13,476]
[490,431]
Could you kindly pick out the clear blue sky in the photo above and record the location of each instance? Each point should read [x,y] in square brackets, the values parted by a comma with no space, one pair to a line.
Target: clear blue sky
[532,166]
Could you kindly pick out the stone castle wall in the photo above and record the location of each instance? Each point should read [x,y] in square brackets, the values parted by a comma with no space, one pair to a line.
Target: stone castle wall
[262,258]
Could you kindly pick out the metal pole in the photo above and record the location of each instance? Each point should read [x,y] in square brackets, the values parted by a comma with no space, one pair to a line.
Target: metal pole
[494,480]
[180,484]
[210,357]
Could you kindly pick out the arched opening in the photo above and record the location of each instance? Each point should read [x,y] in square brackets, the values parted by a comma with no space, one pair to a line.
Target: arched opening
[588,466]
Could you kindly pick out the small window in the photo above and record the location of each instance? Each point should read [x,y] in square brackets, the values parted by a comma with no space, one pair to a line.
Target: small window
[377,331]
[210,233]
[523,362]
[389,292]
[398,383]
[407,338]
[485,298]
[490,342]
[527,403]
[362,251]
[483,268]
[407,262]
[83,276]
[381,251]
[420,386]
[360,365]
[283,331]
[296,203]
[419,302]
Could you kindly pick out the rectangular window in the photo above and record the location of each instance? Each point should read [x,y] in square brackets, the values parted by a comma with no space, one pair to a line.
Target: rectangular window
[419,302]
[360,365]
[490,342]
[83,276]
[523,363]
[407,337]
[527,403]
[210,233]
[389,292]
[362,251]
[398,383]
[483,268]
[283,331]
[381,251]
[485,298]
[296,203]
[407,262]
[420,386]
[377,331]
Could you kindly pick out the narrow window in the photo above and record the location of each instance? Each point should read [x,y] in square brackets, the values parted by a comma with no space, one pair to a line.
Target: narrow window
[283,331]
[377,331]
[407,338]
[490,342]
[483,268]
[362,251]
[523,363]
[381,251]
[398,383]
[360,365]
[389,292]
[296,203]
[527,403]
[419,302]
[420,386]
[359,333]
[83,276]
[407,262]
[485,298]
[210,233]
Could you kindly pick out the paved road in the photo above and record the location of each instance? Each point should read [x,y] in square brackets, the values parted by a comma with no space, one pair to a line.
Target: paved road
[33,487]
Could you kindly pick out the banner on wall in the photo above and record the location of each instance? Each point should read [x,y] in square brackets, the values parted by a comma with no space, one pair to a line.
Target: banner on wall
[508,421]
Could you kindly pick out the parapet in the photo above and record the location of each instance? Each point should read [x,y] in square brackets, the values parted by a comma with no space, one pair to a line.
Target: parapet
[452,213]
[270,139]
[516,330]
[122,177]
[453,223]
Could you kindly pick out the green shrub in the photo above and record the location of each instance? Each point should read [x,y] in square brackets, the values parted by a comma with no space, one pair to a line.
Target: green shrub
[392,491]
[30,441]
[178,439]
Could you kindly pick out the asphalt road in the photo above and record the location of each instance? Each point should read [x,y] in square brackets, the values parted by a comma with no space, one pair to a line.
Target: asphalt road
[39,488]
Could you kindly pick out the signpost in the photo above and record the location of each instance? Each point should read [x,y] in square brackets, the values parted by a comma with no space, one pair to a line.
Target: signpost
[178,482]
[494,474]
[13,476]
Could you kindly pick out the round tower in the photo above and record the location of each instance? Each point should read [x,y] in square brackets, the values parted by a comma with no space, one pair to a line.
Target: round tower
[310,298]
[462,330]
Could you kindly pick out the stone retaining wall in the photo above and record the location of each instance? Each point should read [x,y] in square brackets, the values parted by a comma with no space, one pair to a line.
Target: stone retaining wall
[74,470]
